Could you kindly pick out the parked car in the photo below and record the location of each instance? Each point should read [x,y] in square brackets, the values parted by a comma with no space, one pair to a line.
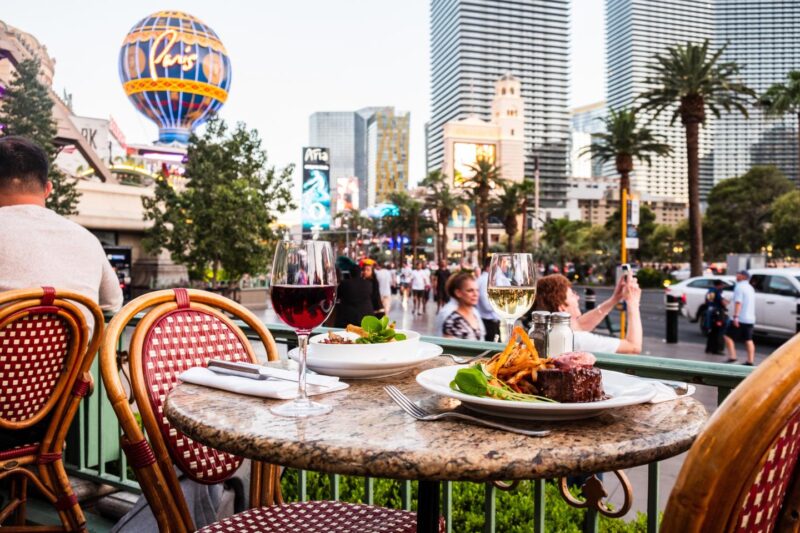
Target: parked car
[692,295]
[777,300]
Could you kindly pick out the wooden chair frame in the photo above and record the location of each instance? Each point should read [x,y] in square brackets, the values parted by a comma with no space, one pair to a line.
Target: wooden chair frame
[153,464]
[726,458]
[43,467]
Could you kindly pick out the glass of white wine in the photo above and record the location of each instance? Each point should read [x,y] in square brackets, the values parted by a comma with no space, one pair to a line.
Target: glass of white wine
[511,287]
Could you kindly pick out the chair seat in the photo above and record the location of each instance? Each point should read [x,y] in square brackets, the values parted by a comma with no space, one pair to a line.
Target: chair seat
[318,517]
[19,451]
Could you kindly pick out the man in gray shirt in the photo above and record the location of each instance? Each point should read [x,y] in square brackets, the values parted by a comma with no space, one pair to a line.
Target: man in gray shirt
[740,328]
[39,247]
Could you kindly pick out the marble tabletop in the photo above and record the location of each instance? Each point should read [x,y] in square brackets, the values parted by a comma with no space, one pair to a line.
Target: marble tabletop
[368,435]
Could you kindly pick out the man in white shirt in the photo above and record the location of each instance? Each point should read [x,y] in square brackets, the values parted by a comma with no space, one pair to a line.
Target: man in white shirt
[384,277]
[743,319]
[491,321]
[39,247]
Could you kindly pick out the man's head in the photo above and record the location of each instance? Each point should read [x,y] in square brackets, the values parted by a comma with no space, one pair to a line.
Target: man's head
[742,275]
[23,172]
[718,283]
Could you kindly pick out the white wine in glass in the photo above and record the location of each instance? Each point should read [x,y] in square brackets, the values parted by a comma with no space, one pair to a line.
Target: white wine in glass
[512,287]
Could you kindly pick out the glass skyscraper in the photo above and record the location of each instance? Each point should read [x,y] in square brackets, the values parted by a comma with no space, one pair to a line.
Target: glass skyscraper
[370,144]
[637,30]
[474,43]
[762,38]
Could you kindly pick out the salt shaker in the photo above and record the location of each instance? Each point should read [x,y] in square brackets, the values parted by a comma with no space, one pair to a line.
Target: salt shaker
[539,329]
[559,338]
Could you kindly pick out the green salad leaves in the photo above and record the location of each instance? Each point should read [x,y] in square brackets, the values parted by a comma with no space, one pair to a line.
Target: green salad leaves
[379,331]
[476,382]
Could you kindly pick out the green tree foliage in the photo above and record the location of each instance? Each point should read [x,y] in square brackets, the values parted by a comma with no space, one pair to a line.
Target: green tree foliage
[624,141]
[440,199]
[562,237]
[485,176]
[507,206]
[223,218]
[740,209]
[686,80]
[781,99]
[785,230]
[27,111]
[410,219]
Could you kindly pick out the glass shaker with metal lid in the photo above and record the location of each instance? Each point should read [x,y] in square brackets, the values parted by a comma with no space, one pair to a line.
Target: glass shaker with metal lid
[560,338]
[539,329]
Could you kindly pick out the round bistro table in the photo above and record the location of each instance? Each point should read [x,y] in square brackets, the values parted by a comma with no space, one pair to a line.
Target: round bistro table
[367,434]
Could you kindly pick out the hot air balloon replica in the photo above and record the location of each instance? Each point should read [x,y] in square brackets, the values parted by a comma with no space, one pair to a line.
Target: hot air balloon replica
[176,72]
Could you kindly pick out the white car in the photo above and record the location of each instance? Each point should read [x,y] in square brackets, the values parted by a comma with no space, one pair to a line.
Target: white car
[692,294]
[777,300]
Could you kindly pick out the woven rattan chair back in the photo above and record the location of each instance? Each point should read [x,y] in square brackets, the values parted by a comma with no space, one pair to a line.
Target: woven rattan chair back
[742,473]
[181,329]
[45,353]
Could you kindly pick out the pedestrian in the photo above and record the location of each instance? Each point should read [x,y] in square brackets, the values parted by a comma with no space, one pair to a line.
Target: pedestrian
[39,247]
[420,281]
[358,294]
[405,284]
[463,322]
[715,317]
[490,319]
[740,327]
[555,293]
[440,285]
[384,277]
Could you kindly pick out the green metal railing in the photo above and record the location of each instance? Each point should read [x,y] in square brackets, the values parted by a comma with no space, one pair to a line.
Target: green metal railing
[93,450]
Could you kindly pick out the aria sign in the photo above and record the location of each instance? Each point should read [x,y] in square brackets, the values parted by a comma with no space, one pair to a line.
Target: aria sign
[316,199]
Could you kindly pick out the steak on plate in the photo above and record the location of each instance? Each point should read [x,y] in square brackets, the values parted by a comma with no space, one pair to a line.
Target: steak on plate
[573,385]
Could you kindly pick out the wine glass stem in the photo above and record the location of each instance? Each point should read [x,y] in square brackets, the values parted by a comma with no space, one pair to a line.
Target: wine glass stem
[509,327]
[302,343]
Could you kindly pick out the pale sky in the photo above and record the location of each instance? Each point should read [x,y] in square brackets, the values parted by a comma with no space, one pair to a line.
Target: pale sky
[289,59]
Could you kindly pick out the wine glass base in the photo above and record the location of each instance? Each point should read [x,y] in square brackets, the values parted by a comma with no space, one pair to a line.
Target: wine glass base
[301,409]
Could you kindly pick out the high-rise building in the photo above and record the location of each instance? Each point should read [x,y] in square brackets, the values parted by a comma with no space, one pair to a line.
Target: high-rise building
[475,42]
[762,39]
[585,124]
[370,144]
[636,31]
[343,133]
[387,154]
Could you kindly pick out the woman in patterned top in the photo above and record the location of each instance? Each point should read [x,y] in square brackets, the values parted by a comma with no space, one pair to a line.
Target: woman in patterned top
[463,322]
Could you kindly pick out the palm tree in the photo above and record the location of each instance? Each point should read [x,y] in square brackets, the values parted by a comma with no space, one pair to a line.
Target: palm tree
[442,202]
[486,175]
[506,207]
[412,217]
[785,98]
[526,190]
[561,236]
[623,142]
[692,77]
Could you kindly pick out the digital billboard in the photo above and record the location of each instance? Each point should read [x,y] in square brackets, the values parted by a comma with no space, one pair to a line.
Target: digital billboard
[316,198]
[347,194]
[465,155]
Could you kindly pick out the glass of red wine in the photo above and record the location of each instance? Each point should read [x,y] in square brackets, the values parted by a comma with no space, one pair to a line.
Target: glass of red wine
[303,295]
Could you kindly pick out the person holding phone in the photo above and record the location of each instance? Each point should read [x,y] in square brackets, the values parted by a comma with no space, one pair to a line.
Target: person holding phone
[555,293]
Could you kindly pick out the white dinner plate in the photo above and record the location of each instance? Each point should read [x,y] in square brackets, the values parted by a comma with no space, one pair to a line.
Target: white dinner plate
[622,390]
[376,366]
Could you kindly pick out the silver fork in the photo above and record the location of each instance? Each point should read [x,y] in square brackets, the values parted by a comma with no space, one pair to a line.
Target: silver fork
[419,413]
[463,360]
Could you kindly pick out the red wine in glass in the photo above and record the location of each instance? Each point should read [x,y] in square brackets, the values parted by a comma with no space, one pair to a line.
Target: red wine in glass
[304,307]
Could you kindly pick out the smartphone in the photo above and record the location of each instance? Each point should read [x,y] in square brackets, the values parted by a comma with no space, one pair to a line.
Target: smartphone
[627,272]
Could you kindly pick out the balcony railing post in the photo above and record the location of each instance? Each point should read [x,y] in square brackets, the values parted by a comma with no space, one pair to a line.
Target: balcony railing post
[405,495]
[369,491]
[538,505]
[447,505]
[653,475]
[489,509]
[334,478]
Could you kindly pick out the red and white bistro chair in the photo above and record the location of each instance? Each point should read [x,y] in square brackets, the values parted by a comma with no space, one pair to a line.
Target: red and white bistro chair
[46,350]
[741,474]
[181,329]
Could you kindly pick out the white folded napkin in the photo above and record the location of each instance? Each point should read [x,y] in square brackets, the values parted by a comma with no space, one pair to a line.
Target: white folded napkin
[666,393]
[268,388]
